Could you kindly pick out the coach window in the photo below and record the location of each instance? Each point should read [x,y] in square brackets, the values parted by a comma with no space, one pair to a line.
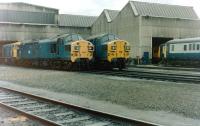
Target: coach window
[198,46]
[172,48]
[185,47]
[194,47]
[190,46]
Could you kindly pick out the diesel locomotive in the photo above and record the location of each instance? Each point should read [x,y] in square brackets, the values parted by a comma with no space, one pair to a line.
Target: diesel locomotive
[110,52]
[66,51]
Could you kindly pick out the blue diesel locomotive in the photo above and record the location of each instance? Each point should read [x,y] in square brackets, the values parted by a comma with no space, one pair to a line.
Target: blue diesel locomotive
[181,52]
[65,51]
[110,51]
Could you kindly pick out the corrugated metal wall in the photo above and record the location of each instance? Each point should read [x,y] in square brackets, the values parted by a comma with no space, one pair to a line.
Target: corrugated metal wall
[10,32]
[27,17]
[20,6]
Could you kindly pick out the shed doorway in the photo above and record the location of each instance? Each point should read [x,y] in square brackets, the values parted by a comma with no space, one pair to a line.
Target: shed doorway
[156,42]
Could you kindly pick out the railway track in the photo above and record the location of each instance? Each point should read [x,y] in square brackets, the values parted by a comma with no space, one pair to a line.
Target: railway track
[168,68]
[56,113]
[151,75]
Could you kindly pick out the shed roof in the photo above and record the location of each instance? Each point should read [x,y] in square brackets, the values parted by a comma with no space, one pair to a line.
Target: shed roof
[111,14]
[100,35]
[76,20]
[163,10]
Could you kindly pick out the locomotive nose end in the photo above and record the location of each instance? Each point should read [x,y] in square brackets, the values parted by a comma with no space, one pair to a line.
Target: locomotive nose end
[118,49]
[82,50]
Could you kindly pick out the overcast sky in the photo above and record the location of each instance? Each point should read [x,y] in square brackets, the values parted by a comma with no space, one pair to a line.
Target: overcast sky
[95,7]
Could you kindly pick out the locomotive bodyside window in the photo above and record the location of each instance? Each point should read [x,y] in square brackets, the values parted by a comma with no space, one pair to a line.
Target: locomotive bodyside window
[198,46]
[185,47]
[194,45]
[172,48]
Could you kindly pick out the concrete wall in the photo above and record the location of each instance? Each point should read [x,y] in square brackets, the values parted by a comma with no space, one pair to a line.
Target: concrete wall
[101,25]
[126,25]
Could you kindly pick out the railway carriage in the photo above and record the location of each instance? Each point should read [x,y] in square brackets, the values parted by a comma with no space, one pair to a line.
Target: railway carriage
[65,51]
[183,52]
[110,51]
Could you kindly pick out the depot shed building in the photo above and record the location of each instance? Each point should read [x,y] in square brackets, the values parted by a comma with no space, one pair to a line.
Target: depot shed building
[147,25]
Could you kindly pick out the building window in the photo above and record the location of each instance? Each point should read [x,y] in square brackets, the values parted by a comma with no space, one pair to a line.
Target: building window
[194,47]
[185,47]
[190,46]
[53,48]
[198,47]
[172,48]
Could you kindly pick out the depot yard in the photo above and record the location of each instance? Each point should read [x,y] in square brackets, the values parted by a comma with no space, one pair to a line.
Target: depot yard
[167,99]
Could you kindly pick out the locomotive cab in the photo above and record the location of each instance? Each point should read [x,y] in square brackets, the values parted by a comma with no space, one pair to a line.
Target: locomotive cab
[81,50]
[118,49]
[76,49]
[110,51]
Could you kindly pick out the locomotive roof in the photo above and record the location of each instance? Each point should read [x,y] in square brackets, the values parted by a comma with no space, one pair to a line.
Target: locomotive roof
[54,38]
[99,35]
[59,36]
[186,40]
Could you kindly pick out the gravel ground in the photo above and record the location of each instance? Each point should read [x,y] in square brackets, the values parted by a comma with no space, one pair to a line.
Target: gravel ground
[167,97]
[10,118]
